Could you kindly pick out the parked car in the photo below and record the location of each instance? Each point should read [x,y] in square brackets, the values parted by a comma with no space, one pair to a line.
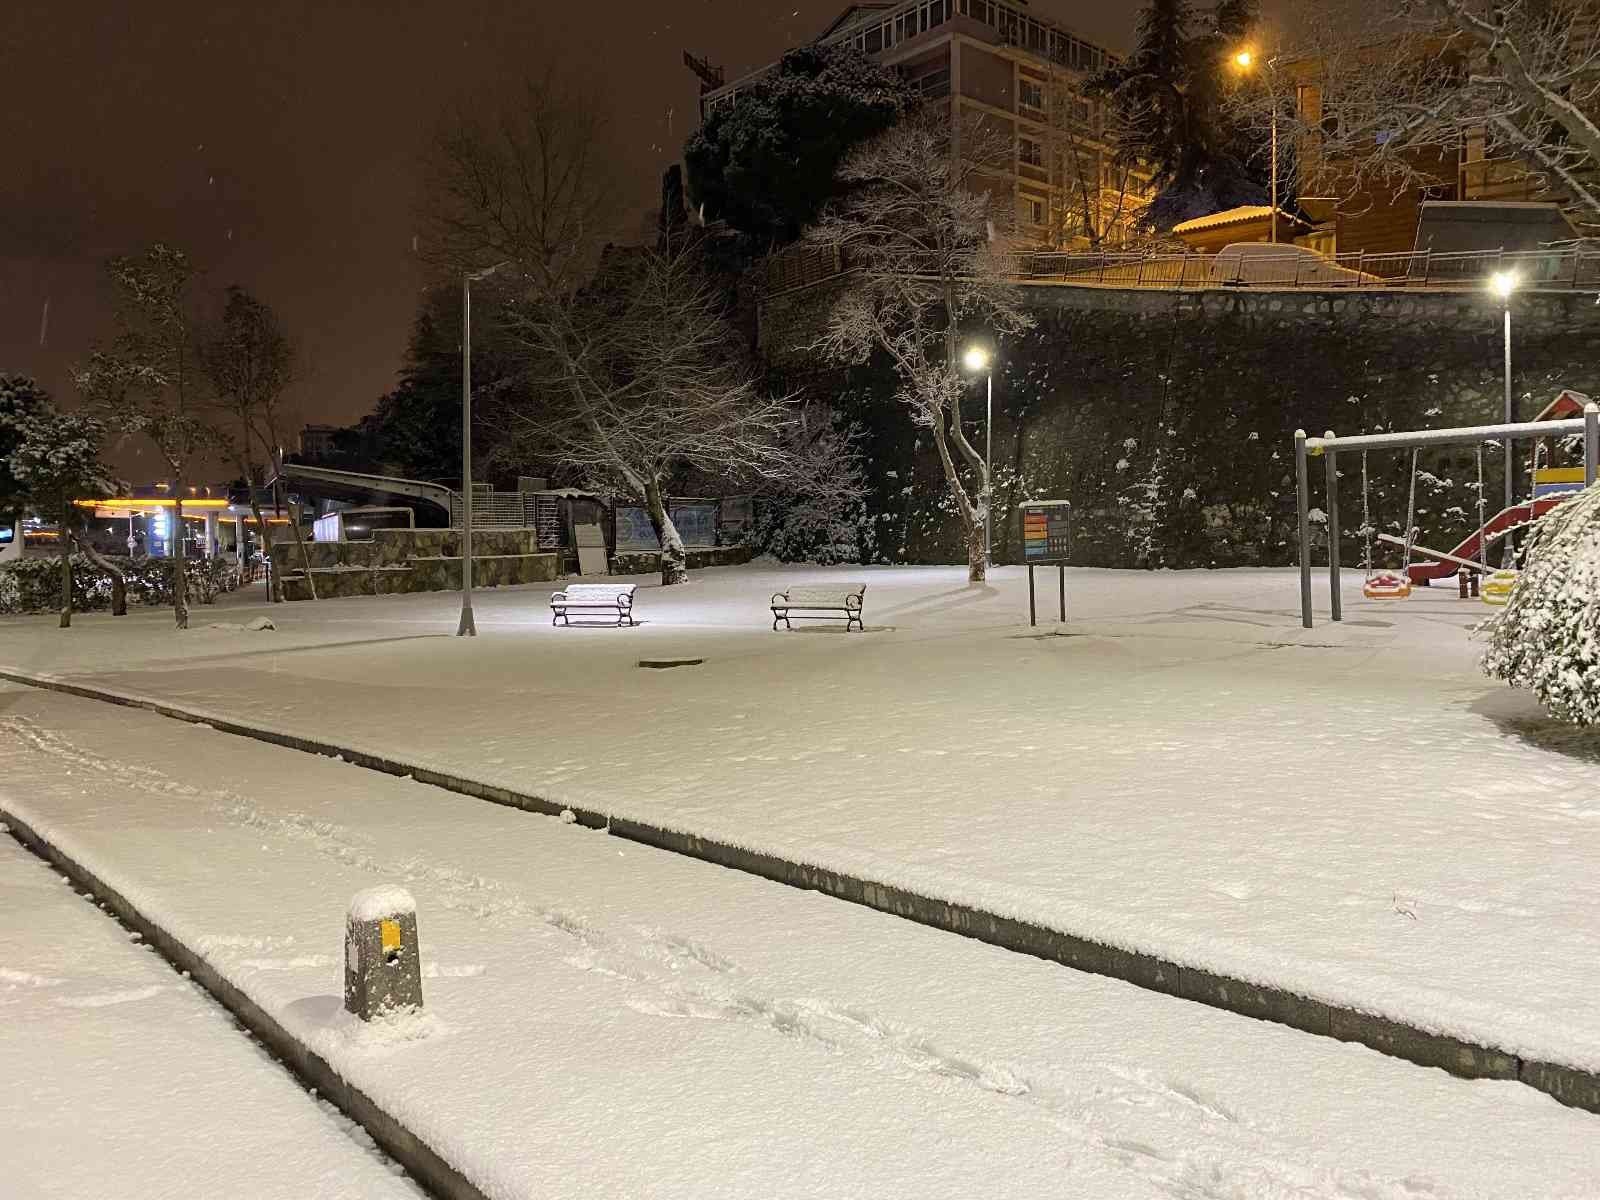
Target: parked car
[1267,264]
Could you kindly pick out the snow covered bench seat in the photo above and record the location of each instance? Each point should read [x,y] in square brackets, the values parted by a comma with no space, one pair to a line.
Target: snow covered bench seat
[840,602]
[610,599]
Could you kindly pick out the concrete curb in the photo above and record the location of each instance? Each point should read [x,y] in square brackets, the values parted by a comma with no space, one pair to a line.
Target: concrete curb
[424,1164]
[1569,1085]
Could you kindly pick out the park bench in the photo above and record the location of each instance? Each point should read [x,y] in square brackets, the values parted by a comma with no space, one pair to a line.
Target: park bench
[839,602]
[610,599]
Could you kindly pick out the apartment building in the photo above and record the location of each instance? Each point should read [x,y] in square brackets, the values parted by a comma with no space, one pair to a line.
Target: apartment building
[995,60]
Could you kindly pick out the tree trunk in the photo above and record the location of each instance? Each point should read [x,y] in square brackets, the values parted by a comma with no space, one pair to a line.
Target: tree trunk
[274,588]
[180,575]
[119,582]
[300,542]
[971,518]
[674,560]
[66,572]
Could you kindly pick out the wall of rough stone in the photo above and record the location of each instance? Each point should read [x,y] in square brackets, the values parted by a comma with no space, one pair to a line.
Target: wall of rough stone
[1167,418]
[413,560]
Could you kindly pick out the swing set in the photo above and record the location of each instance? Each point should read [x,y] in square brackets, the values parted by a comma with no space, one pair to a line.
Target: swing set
[1379,584]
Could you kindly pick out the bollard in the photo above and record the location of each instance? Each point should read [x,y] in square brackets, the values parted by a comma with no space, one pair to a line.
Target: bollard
[382,963]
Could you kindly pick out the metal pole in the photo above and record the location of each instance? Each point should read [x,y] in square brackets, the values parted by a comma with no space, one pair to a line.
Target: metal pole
[988,469]
[1591,443]
[1033,615]
[1333,530]
[1274,97]
[1511,463]
[467,627]
[1061,571]
[1303,498]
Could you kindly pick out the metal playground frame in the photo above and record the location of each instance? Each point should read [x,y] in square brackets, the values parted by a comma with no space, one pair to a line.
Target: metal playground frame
[1330,446]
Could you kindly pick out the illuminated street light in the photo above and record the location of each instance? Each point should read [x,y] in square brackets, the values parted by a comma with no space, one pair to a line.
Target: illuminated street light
[977,358]
[1502,284]
[1245,60]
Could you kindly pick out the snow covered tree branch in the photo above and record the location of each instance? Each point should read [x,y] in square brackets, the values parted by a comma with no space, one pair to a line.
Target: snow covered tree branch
[148,380]
[639,376]
[921,222]
[1516,82]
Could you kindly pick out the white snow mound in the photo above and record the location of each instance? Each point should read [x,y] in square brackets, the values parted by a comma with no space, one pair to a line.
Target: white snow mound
[385,900]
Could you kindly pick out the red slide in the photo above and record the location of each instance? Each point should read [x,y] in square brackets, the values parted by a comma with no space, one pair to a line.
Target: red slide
[1506,518]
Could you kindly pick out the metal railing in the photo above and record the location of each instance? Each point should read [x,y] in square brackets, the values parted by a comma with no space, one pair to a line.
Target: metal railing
[1264,268]
[1295,268]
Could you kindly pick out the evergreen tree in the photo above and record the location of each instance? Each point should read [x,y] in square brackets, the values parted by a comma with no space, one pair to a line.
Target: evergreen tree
[1547,638]
[56,461]
[21,400]
[1169,94]
[766,163]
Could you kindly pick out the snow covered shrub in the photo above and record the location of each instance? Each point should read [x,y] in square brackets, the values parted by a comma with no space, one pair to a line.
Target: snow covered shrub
[1547,638]
[34,584]
[818,517]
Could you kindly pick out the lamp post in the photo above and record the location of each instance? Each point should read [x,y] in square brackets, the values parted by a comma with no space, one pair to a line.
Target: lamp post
[978,359]
[1503,284]
[467,627]
[1245,60]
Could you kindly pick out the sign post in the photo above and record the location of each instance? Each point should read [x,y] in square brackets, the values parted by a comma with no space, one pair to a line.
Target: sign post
[1047,541]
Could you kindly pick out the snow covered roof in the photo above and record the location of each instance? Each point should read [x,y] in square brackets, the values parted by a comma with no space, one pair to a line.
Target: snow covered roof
[1242,215]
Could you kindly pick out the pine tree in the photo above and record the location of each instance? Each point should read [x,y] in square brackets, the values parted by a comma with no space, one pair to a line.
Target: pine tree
[1547,638]
[1169,94]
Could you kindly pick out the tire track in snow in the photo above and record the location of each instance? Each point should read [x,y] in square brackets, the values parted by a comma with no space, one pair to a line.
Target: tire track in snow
[676,977]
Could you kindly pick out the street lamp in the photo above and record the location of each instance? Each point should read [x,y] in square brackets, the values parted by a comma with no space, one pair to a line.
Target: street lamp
[1503,284]
[978,359]
[1245,60]
[467,627]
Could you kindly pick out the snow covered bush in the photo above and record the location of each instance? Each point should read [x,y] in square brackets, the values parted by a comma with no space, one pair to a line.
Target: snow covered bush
[1547,638]
[34,584]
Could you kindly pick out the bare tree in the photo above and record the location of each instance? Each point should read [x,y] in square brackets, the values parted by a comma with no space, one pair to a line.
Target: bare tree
[527,177]
[1517,80]
[251,362]
[149,379]
[640,376]
[925,226]
[632,372]
[1098,193]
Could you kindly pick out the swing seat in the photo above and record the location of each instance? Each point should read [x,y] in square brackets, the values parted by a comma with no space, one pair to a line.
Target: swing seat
[1497,588]
[1386,585]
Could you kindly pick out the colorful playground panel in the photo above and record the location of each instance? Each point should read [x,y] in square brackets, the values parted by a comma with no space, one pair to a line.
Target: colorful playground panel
[1046,531]
[1557,481]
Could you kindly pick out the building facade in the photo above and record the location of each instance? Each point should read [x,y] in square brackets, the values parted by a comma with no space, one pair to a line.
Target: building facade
[995,61]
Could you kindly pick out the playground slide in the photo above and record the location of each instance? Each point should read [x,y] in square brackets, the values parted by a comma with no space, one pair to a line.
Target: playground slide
[1506,518]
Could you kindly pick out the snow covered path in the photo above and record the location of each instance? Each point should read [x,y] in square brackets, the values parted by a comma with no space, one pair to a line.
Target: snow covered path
[608,1020]
[118,1078]
[1352,813]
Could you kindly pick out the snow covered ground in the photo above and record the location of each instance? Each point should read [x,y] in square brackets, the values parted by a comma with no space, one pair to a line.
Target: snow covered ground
[1351,812]
[608,1020]
[119,1078]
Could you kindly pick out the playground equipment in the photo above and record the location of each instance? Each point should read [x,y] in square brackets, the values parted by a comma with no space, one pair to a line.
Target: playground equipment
[1497,588]
[1386,585]
[1330,446]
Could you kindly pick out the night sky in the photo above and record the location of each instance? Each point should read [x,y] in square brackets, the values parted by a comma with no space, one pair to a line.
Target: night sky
[277,142]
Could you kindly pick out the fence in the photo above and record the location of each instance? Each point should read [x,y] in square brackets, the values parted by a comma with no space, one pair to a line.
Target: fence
[1265,267]
[1292,267]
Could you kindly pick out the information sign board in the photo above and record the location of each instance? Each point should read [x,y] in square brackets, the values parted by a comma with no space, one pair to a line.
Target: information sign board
[1046,532]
